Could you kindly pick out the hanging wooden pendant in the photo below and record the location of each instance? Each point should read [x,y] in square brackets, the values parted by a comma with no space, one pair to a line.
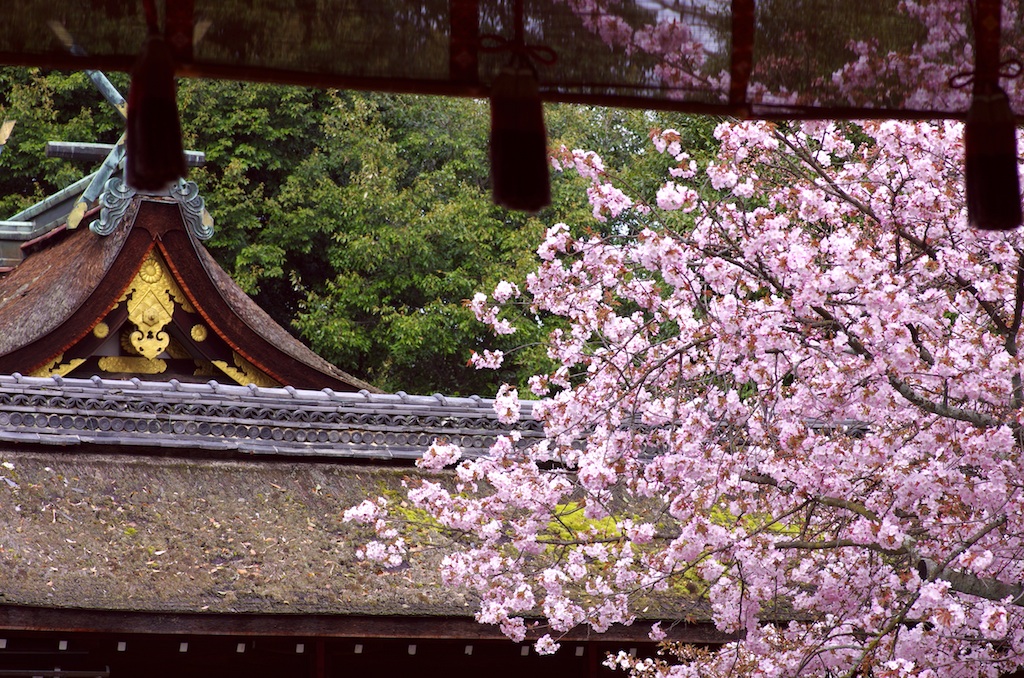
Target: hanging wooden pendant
[990,136]
[990,140]
[519,156]
[153,148]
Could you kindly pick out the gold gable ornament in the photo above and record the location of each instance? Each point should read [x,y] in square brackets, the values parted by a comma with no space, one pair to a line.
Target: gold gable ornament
[244,372]
[129,364]
[147,344]
[57,367]
[150,300]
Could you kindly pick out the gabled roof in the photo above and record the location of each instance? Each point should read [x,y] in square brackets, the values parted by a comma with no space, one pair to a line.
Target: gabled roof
[78,294]
[197,507]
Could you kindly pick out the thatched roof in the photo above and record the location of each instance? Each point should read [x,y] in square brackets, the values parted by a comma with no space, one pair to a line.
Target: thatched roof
[106,531]
[46,289]
[166,498]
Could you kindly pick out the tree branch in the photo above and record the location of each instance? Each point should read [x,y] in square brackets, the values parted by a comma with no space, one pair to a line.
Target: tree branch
[851,506]
[851,339]
[922,350]
[966,285]
[943,410]
[969,584]
[811,545]
[1018,307]
[1017,400]
[834,502]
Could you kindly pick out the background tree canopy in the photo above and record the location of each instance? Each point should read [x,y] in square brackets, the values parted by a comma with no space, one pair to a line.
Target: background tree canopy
[360,221]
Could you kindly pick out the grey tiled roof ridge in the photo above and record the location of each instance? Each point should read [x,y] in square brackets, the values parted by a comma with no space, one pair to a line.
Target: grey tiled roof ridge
[180,417]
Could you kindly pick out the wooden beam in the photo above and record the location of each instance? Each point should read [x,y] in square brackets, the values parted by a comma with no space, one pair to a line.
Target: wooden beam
[582,93]
[53,673]
[29,618]
[987,38]
[179,29]
[320,662]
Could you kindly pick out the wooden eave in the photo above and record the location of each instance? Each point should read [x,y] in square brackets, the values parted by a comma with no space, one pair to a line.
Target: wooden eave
[243,324]
[461,44]
[36,618]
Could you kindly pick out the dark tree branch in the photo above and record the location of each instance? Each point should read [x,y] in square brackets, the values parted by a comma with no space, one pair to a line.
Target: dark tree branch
[922,350]
[961,582]
[812,545]
[945,410]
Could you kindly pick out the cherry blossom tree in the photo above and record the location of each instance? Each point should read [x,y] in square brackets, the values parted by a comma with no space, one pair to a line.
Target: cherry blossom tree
[788,396]
[788,393]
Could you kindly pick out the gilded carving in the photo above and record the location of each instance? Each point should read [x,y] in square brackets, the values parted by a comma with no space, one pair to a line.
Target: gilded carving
[126,343]
[151,271]
[151,297]
[101,330]
[199,332]
[244,372]
[58,367]
[163,277]
[132,365]
[150,312]
[204,368]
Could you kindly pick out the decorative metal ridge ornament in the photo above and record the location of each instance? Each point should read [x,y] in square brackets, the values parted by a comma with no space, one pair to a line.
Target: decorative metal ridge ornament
[114,194]
[193,209]
[114,202]
[117,197]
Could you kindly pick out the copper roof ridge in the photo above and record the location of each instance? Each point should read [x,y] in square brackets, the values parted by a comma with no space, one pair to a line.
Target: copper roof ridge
[61,229]
[41,206]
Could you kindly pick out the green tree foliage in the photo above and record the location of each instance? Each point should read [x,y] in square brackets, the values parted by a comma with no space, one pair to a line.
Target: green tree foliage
[386,233]
[360,221]
[48,107]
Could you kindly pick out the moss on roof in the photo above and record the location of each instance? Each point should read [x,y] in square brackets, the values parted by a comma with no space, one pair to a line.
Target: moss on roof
[161,534]
[157,534]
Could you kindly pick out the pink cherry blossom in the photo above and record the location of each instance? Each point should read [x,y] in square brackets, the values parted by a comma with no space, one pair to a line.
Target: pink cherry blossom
[439,455]
[506,404]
